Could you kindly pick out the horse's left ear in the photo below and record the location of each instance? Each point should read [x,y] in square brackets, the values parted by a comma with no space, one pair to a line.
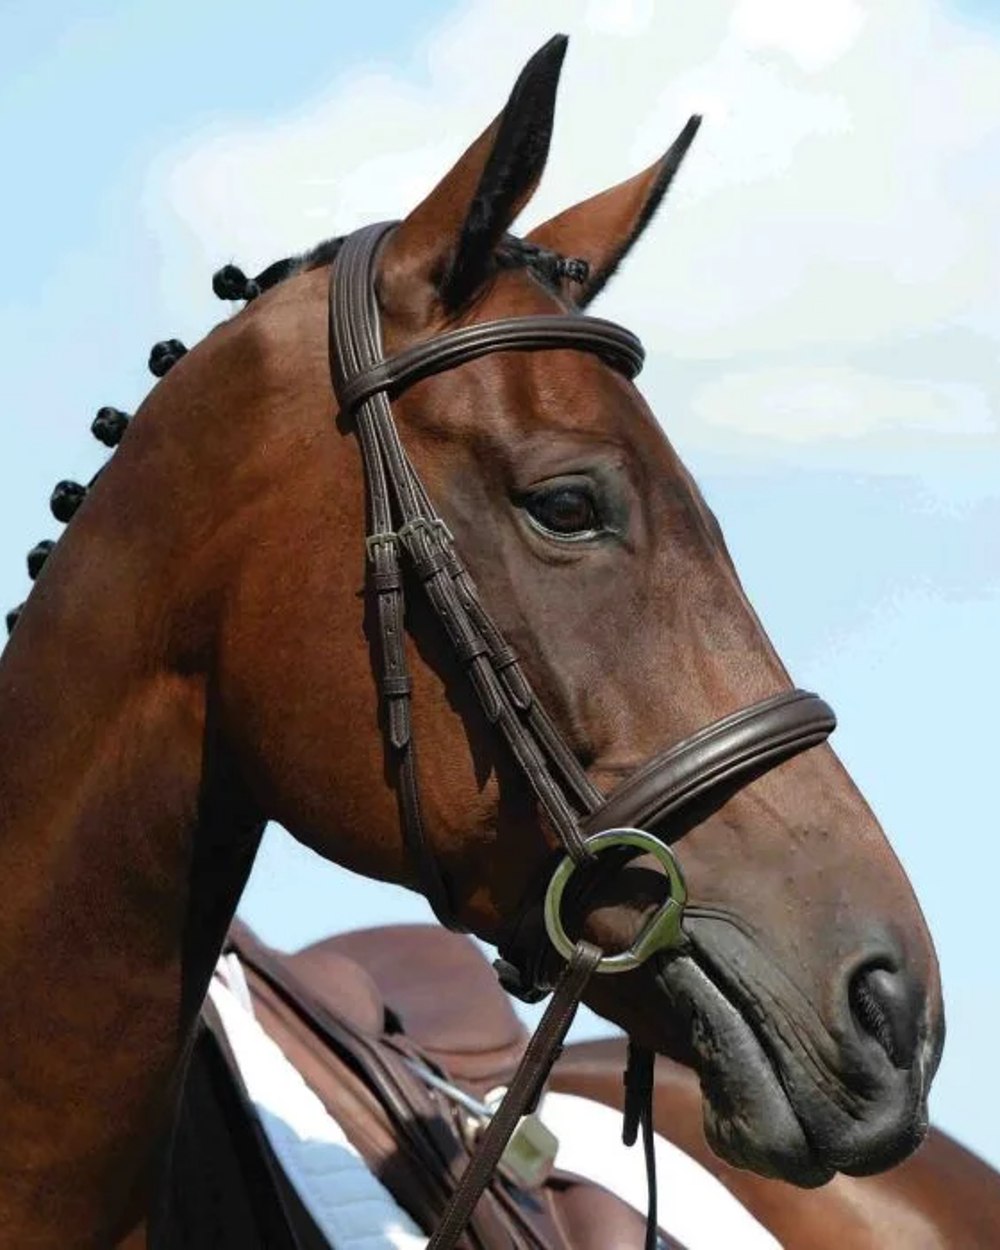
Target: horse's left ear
[601,230]
[443,251]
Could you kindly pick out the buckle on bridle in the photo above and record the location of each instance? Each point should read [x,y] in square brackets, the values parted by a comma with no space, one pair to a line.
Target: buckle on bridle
[660,932]
[430,524]
[386,538]
[396,538]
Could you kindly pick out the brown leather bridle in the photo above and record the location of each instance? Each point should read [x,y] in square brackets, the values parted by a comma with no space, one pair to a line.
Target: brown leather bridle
[404,525]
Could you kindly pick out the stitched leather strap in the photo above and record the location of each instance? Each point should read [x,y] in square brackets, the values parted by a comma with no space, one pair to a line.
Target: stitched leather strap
[404,523]
[533,1070]
[355,346]
[618,346]
[729,750]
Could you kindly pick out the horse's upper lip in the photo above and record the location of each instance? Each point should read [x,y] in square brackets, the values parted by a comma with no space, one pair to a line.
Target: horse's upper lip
[749,1119]
[777,1100]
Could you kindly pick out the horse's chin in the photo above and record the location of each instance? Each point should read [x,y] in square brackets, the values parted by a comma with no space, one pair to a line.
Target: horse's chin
[749,1120]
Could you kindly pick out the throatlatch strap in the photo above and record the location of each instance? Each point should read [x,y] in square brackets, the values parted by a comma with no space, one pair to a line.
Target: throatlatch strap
[532,1072]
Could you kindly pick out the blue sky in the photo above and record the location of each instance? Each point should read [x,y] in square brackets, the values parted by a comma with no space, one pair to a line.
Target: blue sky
[145,147]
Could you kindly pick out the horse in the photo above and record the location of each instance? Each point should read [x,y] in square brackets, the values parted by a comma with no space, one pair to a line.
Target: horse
[210,645]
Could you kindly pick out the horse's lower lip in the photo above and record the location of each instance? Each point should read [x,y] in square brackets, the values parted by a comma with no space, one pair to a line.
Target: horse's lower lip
[749,1120]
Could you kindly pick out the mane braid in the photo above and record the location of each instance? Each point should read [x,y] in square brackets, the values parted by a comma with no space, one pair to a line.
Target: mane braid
[231,283]
[549,267]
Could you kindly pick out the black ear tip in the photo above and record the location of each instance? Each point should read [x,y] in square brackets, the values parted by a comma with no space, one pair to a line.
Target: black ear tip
[556,46]
[679,148]
[543,67]
[12,616]
[548,59]
[691,128]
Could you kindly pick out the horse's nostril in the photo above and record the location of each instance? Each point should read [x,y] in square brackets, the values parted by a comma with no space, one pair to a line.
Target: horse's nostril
[887,1006]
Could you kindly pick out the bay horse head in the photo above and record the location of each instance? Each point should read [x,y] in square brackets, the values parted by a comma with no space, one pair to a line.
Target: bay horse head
[206,646]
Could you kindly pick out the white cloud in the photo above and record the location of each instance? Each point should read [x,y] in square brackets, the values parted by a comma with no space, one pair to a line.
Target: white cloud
[841,199]
[814,35]
[801,404]
[618,17]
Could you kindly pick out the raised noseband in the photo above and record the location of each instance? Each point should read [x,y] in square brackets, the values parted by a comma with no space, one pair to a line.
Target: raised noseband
[729,751]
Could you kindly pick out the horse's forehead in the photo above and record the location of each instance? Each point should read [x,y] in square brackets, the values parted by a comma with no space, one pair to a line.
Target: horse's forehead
[508,402]
[512,394]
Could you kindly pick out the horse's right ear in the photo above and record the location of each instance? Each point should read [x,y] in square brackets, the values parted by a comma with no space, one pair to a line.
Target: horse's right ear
[443,252]
[602,230]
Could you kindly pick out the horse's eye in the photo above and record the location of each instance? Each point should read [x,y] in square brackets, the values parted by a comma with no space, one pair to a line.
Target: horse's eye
[569,511]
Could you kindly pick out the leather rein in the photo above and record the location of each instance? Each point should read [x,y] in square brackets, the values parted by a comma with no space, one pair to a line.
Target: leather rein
[405,528]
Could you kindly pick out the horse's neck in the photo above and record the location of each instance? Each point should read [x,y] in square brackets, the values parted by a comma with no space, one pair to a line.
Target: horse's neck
[122,855]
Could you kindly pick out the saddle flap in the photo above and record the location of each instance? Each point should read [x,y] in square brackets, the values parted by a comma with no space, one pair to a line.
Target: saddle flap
[441,988]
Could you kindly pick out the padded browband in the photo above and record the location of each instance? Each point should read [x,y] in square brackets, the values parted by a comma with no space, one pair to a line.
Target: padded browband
[730,750]
[613,343]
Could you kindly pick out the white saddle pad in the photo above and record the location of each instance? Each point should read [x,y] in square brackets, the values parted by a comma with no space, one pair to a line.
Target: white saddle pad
[355,1211]
[349,1205]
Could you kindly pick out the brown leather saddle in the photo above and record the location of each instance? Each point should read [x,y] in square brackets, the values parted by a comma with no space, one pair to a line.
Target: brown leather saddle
[385,1042]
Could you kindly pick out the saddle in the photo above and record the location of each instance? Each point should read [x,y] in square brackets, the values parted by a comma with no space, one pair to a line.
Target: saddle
[398,1031]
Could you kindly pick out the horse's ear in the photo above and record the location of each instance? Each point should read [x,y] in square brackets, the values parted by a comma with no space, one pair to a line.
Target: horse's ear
[601,230]
[443,251]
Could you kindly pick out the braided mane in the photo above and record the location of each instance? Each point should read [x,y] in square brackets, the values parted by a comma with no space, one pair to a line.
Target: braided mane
[231,283]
